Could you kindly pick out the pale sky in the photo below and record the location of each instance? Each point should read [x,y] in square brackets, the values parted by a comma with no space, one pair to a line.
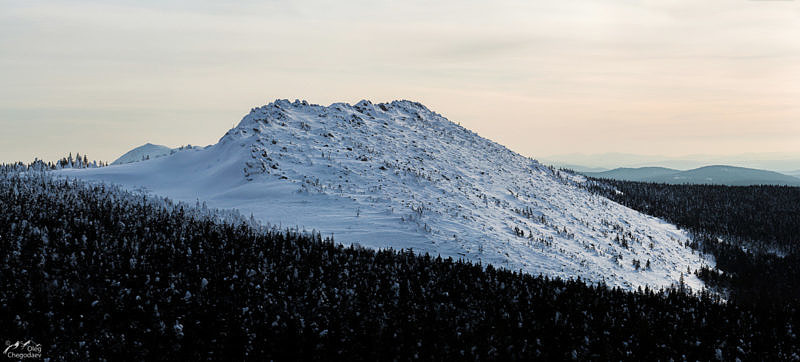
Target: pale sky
[541,77]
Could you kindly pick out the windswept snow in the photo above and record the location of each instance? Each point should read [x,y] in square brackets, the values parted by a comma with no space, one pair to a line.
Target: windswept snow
[399,175]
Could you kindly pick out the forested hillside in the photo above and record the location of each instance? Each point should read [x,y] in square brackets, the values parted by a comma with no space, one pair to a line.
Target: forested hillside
[753,231]
[93,272]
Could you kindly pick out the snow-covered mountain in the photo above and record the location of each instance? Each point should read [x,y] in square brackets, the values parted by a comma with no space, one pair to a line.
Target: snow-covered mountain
[150,151]
[144,152]
[399,175]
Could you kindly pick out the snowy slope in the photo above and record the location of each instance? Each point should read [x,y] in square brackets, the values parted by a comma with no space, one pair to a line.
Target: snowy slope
[145,151]
[399,175]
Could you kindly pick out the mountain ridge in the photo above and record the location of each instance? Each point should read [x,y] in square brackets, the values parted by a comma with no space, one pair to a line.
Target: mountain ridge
[772,161]
[713,174]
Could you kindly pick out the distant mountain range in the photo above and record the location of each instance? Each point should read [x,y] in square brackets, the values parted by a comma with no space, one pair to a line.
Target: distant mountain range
[721,175]
[579,168]
[787,163]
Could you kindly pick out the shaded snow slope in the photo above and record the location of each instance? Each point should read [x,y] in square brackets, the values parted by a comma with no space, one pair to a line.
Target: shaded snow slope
[399,175]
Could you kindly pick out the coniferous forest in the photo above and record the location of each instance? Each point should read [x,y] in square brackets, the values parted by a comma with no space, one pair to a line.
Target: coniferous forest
[752,231]
[93,272]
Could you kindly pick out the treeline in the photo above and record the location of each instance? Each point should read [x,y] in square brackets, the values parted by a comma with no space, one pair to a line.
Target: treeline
[752,231]
[93,272]
[78,162]
[65,162]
